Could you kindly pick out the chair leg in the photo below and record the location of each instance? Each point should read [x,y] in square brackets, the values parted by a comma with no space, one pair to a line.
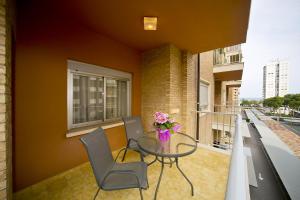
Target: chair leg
[141,193]
[124,155]
[96,193]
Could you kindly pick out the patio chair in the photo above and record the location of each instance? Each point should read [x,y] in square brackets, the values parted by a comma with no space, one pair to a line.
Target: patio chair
[109,174]
[134,129]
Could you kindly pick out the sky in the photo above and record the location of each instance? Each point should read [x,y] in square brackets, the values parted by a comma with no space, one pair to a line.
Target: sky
[273,33]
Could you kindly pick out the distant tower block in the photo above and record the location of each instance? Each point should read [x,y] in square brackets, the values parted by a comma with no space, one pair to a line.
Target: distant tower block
[275,79]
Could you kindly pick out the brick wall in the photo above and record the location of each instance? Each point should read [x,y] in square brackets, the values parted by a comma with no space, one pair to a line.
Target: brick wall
[189,93]
[155,84]
[206,74]
[175,107]
[5,104]
[218,85]
[169,85]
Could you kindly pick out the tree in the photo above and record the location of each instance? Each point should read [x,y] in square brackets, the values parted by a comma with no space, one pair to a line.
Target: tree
[287,99]
[273,102]
[292,101]
[246,102]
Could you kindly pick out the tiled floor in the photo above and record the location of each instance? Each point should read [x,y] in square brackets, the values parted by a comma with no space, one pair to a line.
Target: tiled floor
[206,169]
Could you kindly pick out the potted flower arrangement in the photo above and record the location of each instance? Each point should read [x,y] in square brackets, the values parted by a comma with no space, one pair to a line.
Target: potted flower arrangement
[165,126]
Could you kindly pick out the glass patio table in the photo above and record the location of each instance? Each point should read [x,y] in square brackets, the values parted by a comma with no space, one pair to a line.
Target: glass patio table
[168,152]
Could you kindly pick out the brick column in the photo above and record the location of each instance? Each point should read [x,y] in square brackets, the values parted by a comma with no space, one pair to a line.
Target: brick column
[189,93]
[155,84]
[5,104]
[169,85]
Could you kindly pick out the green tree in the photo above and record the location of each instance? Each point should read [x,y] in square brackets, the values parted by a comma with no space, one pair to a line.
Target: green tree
[292,101]
[287,98]
[273,102]
[246,102]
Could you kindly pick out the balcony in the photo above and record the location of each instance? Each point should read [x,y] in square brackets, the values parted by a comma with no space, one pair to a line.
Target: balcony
[228,63]
[106,41]
[207,170]
[214,169]
[224,131]
[227,72]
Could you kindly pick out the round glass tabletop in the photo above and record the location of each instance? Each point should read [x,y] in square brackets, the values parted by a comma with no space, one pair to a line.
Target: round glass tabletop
[178,145]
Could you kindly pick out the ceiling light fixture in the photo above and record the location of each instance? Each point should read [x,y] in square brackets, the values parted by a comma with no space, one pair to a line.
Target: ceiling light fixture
[150,23]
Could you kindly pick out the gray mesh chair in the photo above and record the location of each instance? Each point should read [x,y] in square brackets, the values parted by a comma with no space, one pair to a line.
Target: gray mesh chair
[134,129]
[109,174]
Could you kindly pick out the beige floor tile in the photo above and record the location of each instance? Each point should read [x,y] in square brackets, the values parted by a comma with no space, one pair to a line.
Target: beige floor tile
[207,170]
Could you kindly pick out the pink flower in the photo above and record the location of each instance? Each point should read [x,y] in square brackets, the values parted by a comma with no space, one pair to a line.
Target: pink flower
[171,120]
[176,128]
[161,117]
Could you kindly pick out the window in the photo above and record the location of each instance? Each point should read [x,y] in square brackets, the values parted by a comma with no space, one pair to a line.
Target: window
[96,94]
[235,58]
[204,95]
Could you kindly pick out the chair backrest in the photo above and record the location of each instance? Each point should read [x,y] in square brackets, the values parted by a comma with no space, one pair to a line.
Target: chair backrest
[134,127]
[99,153]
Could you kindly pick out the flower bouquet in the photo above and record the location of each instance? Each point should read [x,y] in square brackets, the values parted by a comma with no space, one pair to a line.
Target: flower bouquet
[165,126]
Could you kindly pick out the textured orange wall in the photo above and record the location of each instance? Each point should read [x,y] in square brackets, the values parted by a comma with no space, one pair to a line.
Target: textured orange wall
[44,43]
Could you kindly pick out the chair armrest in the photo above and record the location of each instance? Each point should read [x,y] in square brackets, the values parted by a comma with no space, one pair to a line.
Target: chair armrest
[130,172]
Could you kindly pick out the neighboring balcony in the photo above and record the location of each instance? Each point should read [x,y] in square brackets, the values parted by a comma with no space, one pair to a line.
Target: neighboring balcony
[228,65]
[230,71]
[217,128]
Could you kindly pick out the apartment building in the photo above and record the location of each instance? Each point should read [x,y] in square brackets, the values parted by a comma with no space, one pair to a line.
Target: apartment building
[228,69]
[233,96]
[220,79]
[275,79]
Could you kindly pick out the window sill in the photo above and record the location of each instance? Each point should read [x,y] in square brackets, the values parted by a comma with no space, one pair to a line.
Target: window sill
[84,130]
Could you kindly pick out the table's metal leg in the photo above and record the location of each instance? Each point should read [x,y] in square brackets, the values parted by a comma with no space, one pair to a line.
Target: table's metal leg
[170,162]
[159,179]
[186,178]
[152,161]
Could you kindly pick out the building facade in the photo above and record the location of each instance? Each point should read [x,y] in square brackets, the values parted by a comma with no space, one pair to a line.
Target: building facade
[275,79]
[219,82]
[228,68]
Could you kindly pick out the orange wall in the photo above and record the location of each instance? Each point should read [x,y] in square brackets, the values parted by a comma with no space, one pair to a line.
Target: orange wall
[44,43]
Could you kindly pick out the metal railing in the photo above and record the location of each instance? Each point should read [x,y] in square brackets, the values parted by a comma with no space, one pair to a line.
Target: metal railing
[237,183]
[223,130]
[216,129]
[235,109]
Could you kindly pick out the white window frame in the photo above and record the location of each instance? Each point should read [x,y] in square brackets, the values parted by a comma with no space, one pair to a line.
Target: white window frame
[206,83]
[75,67]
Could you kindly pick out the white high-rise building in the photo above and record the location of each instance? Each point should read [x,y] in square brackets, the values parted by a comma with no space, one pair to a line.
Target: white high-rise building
[275,80]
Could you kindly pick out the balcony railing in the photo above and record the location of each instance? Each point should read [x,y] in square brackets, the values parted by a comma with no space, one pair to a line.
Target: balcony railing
[237,184]
[216,129]
[227,56]
[233,109]
[222,130]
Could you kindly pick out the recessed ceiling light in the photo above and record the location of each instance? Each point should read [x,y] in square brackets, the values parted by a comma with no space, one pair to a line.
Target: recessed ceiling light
[150,23]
